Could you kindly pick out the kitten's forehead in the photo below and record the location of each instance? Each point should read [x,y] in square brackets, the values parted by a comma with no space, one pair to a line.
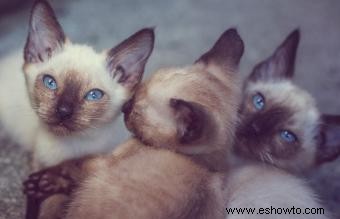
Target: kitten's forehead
[84,63]
[285,93]
[73,57]
[191,83]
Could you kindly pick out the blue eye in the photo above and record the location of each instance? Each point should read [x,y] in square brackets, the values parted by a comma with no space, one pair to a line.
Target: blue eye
[94,94]
[288,136]
[50,82]
[258,101]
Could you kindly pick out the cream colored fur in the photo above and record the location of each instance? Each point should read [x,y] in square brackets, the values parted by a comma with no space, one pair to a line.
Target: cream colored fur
[156,174]
[143,182]
[262,186]
[21,122]
[16,114]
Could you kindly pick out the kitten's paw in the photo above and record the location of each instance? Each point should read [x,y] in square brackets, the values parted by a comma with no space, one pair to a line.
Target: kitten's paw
[45,183]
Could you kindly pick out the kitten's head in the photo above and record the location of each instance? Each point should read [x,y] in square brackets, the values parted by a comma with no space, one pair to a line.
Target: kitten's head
[193,109]
[72,87]
[280,123]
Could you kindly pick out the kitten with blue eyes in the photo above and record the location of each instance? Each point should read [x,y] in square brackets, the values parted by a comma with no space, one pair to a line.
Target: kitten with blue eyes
[280,126]
[280,123]
[65,103]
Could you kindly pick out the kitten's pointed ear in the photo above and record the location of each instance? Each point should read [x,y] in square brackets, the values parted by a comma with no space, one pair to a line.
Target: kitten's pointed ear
[45,35]
[190,120]
[281,64]
[126,61]
[329,146]
[226,52]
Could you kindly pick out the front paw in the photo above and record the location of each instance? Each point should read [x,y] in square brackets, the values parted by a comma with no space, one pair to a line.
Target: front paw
[45,183]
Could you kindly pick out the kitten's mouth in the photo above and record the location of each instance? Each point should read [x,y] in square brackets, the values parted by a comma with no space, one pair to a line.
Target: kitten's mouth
[60,128]
[244,148]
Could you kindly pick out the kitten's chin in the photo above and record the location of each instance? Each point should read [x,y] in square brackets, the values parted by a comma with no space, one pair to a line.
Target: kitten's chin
[60,130]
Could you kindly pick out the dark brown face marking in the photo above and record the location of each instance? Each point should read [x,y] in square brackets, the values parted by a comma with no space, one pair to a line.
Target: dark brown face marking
[65,109]
[259,132]
[69,100]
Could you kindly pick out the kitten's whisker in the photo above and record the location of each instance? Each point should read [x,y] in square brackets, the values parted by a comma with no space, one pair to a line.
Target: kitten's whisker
[269,158]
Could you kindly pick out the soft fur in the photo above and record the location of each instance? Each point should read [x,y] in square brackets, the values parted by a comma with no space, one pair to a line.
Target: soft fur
[172,112]
[191,110]
[148,183]
[253,184]
[256,186]
[287,107]
[32,113]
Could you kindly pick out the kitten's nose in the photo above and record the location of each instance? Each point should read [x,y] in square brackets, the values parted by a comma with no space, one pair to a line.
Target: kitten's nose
[64,111]
[255,128]
[127,107]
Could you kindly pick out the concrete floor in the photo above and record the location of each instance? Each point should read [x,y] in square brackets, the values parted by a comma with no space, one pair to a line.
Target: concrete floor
[184,30]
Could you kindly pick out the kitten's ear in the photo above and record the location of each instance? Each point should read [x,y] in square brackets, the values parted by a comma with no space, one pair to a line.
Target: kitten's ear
[281,64]
[190,120]
[329,146]
[126,61]
[226,52]
[45,35]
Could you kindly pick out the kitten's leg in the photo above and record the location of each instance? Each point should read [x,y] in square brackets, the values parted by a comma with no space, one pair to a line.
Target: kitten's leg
[66,177]
[32,208]
[49,184]
[54,207]
[41,188]
[33,204]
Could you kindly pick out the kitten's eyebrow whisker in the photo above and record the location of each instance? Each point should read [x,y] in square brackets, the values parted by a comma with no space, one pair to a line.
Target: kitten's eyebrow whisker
[269,158]
[262,157]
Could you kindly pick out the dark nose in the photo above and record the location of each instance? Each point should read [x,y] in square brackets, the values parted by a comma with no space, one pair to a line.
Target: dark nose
[255,128]
[64,111]
[127,107]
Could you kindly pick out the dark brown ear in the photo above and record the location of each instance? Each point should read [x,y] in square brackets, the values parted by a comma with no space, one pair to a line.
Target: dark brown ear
[190,120]
[227,51]
[45,35]
[281,64]
[329,147]
[126,61]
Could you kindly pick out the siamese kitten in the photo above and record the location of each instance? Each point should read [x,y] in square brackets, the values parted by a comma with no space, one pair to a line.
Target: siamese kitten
[280,123]
[65,103]
[186,110]
[192,110]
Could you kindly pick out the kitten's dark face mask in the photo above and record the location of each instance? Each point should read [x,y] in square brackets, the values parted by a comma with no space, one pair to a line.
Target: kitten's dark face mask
[280,123]
[67,103]
[263,134]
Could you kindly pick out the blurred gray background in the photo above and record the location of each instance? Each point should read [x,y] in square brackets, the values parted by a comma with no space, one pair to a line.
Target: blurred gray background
[184,30]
